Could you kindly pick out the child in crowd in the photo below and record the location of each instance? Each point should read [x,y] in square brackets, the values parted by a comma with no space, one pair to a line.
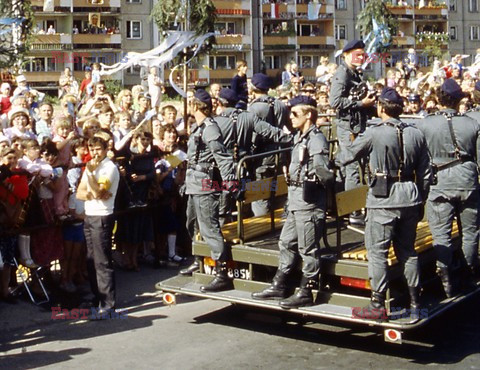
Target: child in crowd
[122,134]
[19,124]
[63,139]
[73,237]
[96,77]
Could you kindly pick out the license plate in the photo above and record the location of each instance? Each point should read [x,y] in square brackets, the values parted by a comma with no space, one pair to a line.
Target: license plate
[233,270]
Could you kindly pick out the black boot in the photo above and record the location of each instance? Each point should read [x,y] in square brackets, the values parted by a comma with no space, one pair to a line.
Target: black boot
[376,308]
[221,281]
[303,297]
[194,267]
[414,302]
[467,279]
[276,290]
[446,281]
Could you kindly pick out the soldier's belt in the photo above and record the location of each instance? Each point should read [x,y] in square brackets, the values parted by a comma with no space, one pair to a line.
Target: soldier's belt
[394,179]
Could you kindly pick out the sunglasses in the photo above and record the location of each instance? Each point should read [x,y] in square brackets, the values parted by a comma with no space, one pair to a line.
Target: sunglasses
[295,114]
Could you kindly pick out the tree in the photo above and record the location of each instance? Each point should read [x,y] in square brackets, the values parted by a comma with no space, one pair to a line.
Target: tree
[376,9]
[170,13]
[14,38]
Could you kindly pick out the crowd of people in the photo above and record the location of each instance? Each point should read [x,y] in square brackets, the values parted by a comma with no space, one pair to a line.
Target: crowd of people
[69,173]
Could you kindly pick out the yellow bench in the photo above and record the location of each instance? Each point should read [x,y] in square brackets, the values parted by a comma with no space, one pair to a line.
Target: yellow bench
[245,229]
[423,242]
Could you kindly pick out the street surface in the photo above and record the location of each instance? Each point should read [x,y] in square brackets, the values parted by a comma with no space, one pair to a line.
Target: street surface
[204,334]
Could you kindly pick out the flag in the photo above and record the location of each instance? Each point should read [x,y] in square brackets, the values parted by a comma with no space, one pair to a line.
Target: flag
[313,10]
[48,6]
[275,10]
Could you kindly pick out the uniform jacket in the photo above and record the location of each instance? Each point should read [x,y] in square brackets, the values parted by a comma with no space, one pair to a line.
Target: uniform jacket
[343,81]
[278,116]
[381,144]
[247,125]
[208,138]
[463,176]
[317,152]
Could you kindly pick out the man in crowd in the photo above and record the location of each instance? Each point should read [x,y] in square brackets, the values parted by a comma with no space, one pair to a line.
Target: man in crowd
[98,189]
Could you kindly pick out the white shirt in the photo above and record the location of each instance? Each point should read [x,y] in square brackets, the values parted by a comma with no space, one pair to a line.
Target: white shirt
[100,207]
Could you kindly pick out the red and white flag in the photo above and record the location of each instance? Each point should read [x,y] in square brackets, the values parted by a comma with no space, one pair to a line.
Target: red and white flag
[275,8]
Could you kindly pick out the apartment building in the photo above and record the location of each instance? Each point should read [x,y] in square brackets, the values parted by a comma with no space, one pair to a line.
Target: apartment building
[65,37]
[266,33]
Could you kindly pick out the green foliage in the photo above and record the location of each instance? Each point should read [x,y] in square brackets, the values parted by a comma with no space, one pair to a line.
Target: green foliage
[52,100]
[432,42]
[202,15]
[113,87]
[376,9]
[10,53]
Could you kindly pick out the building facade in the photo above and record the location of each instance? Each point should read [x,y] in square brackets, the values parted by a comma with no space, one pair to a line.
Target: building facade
[265,33]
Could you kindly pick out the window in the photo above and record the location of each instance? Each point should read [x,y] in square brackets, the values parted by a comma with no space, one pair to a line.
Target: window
[41,65]
[474,32]
[341,4]
[309,61]
[225,28]
[453,33]
[340,32]
[134,30]
[273,62]
[453,5]
[223,62]
[473,6]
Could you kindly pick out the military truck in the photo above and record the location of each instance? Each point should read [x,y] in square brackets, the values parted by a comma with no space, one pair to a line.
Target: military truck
[344,283]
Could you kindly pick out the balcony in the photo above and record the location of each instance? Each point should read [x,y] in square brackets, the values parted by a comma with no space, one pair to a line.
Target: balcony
[97,39]
[233,42]
[437,11]
[93,3]
[316,40]
[52,42]
[232,7]
[403,40]
[44,77]
[278,40]
[400,10]
[324,9]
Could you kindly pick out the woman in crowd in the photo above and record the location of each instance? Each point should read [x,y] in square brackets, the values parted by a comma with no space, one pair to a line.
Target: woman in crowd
[125,101]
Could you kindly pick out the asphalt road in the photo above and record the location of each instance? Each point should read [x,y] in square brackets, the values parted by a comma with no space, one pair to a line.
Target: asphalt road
[204,334]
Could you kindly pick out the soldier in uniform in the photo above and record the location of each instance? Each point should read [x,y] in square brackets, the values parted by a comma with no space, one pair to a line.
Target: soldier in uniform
[207,160]
[399,179]
[351,113]
[275,112]
[308,172]
[415,105]
[238,129]
[453,142]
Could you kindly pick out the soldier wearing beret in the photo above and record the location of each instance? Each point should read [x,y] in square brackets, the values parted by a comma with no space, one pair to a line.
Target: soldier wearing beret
[207,160]
[453,142]
[415,105]
[275,112]
[308,174]
[351,113]
[399,179]
[238,130]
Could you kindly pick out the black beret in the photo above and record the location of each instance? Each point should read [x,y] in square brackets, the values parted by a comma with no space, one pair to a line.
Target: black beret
[391,95]
[203,96]
[477,85]
[229,95]
[414,97]
[261,81]
[452,88]
[354,44]
[302,100]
